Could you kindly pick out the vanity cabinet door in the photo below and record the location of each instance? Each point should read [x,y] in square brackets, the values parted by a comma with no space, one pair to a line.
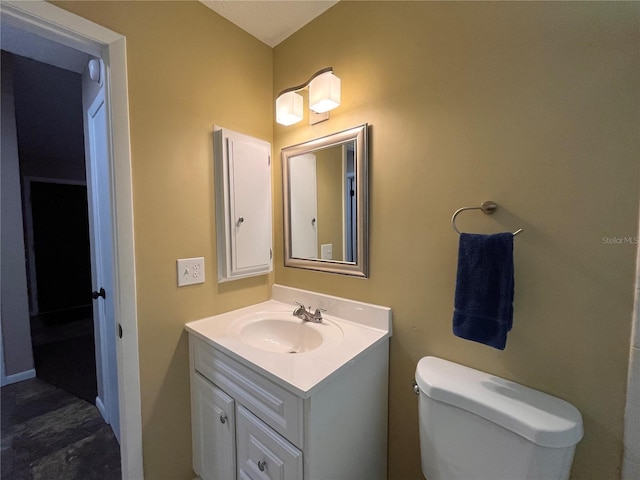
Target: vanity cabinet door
[243,205]
[213,425]
[262,453]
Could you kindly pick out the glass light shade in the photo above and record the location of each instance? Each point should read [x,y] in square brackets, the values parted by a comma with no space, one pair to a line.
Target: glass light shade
[289,108]
[324,93]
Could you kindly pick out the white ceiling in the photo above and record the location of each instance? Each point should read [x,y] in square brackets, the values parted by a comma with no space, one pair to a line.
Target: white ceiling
[270,21]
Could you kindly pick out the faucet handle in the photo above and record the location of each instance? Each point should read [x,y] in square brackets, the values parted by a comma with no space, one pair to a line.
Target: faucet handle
[301,311]
[317,316]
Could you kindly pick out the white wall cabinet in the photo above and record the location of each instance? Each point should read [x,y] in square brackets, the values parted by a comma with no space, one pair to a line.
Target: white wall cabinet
[338,432]
[243,205]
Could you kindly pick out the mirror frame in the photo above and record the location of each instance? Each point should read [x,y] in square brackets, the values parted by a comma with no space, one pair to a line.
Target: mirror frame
[359,136]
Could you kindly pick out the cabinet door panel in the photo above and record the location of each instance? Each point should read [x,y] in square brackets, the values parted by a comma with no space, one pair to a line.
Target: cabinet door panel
[262,453]
[251,189]
[213,431]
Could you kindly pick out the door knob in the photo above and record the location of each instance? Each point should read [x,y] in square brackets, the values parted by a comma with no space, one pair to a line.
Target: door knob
[101,293]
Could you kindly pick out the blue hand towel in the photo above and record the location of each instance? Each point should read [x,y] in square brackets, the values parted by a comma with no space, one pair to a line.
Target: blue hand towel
[484,289]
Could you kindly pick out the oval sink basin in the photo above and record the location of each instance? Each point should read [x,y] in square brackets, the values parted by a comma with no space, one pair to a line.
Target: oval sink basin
[280,334]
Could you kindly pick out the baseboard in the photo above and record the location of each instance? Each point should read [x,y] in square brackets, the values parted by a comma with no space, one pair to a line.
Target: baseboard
[19,377]
[101,409]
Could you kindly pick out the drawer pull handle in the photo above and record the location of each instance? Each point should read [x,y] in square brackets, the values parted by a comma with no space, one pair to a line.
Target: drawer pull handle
[223,418]
[262,465]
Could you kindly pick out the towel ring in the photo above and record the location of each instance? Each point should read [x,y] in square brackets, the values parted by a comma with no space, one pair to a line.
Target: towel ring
[487,208]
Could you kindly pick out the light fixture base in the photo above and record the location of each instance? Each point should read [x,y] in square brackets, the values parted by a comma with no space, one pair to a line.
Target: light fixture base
[317,117]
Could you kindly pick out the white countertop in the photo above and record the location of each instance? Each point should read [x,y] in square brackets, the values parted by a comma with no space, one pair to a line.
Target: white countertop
[363,326]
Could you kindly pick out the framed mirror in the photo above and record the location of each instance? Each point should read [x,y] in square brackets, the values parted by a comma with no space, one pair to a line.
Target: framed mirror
[326,203]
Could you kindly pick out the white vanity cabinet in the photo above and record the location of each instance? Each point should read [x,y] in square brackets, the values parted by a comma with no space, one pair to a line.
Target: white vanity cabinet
[248,426]
[243,205]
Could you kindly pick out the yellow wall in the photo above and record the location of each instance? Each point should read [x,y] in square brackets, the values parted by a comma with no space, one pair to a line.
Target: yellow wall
[533,105]
[187,68]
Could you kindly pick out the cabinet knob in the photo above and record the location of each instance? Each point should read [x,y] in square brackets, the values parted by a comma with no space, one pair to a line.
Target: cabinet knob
[262,465]
[240,220]
[223,418]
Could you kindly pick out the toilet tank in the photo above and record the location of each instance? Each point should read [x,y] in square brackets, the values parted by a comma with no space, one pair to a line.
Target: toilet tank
[474,425]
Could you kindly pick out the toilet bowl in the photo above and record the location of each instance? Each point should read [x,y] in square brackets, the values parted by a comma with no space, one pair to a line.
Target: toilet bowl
[474,425]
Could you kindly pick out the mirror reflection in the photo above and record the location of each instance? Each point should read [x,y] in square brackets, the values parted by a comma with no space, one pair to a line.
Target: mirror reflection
[325,202]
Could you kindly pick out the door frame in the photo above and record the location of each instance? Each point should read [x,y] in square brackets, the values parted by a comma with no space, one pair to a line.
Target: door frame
[63,27]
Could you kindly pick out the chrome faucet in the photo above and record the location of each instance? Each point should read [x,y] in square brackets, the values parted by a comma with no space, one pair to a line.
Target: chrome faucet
[305,315]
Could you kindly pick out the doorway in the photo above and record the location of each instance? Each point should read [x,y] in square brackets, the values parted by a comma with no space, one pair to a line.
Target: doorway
[72,33]
[62,326]
[60,222]
[47,102]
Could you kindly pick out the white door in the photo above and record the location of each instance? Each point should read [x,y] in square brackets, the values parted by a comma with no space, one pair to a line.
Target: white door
[304,206]
[101,234]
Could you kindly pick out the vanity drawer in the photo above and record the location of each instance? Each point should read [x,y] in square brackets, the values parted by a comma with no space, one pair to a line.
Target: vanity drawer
[263,454]
[275,406]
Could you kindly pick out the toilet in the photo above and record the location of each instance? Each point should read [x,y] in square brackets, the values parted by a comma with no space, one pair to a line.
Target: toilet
[476,426]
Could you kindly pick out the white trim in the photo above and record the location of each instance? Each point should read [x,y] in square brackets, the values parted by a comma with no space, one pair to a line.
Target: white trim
[71,30]
[18,377]
[101,408]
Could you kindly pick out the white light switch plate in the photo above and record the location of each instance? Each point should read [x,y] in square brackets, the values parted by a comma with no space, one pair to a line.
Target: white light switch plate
[190,271]
[326,250]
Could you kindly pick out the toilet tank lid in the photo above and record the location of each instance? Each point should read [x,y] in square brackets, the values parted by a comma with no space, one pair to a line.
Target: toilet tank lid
[540,418]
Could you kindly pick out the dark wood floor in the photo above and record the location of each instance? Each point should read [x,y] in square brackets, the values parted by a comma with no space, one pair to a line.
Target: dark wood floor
[64,351]
[49,434]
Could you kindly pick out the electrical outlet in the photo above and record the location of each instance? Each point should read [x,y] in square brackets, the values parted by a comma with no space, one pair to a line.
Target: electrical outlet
[326,251]
[190,271]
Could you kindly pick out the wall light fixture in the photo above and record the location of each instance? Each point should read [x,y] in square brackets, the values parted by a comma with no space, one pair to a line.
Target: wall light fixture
[324,95]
